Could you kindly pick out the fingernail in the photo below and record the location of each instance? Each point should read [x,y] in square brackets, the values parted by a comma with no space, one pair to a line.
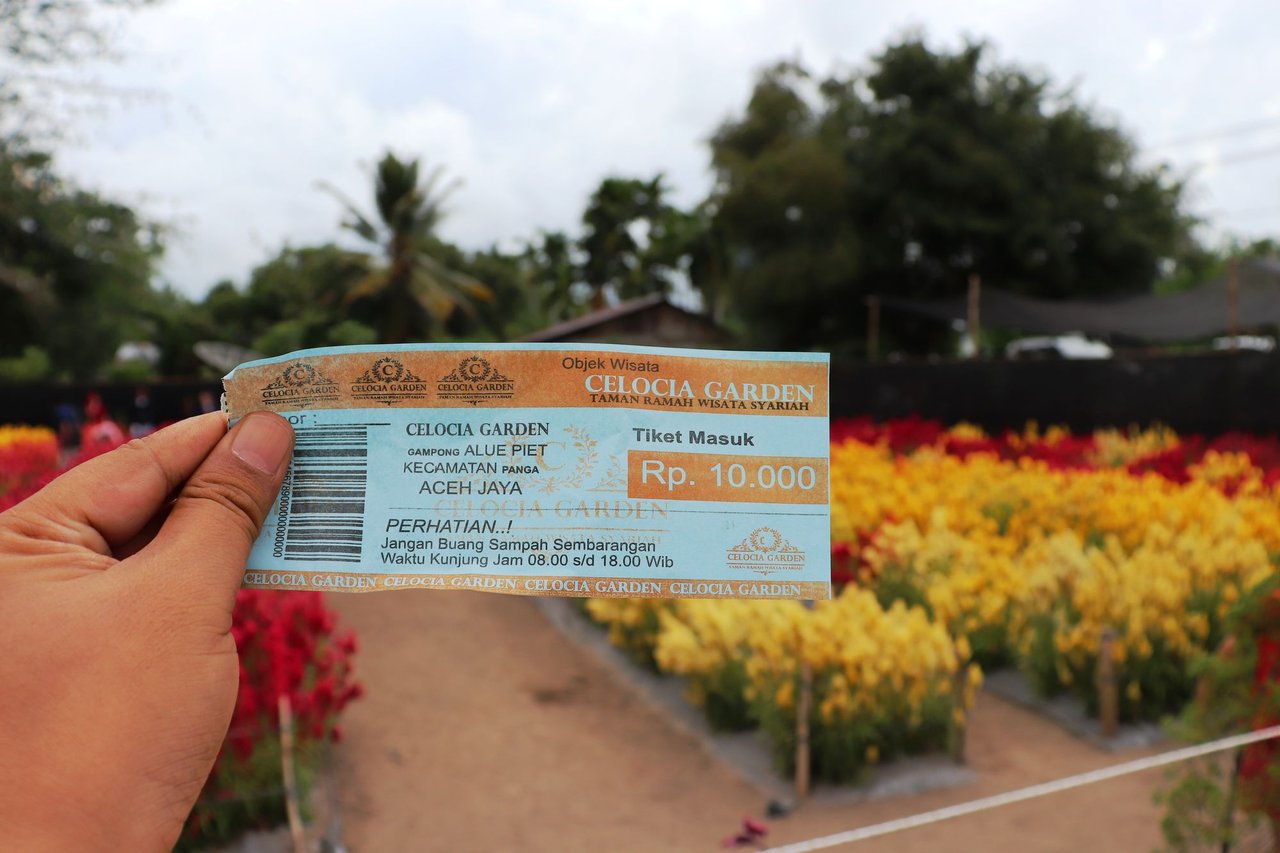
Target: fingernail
[262,441]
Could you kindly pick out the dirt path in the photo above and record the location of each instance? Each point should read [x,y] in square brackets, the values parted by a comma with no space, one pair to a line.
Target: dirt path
[484,729]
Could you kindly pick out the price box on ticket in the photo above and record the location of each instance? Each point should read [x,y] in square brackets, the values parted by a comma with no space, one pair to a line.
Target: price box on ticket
[535,469]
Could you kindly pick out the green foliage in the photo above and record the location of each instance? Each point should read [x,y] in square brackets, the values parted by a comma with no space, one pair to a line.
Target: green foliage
[1039,663]
[637,637]
[904,178]
[284,336]
[552,274]
[898,582]
[31,366]
[543,286]
[351,333]
[1200,812]
[1213,263]
[1211,802]
[250,794]
[413,294]
[721,694]
[629,239]
[75,268]
[844,750]
[293,300]
[130,371]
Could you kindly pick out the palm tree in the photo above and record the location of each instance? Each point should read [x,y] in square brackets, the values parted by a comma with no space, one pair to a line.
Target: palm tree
[416,293]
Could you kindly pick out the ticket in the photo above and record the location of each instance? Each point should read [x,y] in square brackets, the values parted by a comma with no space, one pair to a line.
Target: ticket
[546,469]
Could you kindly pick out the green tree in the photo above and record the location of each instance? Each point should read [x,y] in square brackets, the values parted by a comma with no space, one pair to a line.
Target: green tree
[625,222]
[531,289]
[905,177]
[551,276]
[414,293]
[293,301]
[75,267]
[506,276]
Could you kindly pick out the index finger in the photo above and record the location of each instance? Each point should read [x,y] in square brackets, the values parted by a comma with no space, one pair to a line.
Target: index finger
[105,502]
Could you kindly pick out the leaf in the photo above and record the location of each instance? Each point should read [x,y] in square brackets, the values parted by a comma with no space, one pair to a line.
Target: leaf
[358,222]
[372,284]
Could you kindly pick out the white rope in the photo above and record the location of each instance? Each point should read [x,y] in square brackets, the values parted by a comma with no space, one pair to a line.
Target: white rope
[1042,790]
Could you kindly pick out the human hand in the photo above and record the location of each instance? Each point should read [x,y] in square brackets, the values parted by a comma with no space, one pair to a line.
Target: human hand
[119,674]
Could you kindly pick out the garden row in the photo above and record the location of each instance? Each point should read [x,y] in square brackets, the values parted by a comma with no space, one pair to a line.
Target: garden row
[956,552]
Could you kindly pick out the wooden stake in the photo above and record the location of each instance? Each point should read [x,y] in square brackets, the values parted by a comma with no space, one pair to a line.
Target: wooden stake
[290,777]
[975,312]
[804,700]
[873,328]
[1233,300]
[1229,811]
[804,703]
[1108,690]
[959,730]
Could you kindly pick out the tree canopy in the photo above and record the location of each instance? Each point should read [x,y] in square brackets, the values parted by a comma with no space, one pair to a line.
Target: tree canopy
[902,177]
[413,290]
[927,166]
[75,267]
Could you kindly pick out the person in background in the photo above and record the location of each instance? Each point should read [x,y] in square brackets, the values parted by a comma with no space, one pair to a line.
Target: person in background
[208,403]
[94,409]
[67,417]
[99,429]
[142,420]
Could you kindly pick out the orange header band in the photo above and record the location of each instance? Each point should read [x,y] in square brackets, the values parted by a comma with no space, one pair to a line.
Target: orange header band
[460,379]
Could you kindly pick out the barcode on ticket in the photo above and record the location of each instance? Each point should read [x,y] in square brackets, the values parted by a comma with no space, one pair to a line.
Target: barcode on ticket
[322,501]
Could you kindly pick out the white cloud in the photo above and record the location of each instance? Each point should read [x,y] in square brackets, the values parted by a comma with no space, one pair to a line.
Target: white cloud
[532,103]
[1154,53]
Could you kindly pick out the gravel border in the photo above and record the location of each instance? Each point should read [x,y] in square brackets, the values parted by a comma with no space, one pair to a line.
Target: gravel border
[1068,712]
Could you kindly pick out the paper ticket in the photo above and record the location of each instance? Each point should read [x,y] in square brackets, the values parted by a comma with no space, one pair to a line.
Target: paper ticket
[538,469]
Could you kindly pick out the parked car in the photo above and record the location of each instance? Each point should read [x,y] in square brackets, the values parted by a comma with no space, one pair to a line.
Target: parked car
[1056,346]
[1253,343]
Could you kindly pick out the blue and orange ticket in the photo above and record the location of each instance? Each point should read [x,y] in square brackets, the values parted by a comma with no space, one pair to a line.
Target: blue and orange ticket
[547,469]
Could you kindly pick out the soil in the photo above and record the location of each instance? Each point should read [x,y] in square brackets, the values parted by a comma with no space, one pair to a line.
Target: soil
[483,728]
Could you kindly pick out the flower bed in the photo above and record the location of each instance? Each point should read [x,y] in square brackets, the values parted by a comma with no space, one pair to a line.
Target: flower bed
[887,681]
[288,647]
[959,550]
[28,456]
[1031,557]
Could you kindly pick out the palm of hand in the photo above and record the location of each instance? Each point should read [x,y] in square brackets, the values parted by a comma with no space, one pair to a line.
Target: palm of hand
[120,674]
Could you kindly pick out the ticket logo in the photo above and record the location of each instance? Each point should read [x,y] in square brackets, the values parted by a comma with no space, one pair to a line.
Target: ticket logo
[765,551]
[299,385]
[475,381]
[388,381]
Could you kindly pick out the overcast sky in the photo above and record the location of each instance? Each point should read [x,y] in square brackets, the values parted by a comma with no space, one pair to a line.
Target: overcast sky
[532,103]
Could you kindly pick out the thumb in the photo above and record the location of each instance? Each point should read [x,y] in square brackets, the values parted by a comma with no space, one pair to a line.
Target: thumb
[204,544]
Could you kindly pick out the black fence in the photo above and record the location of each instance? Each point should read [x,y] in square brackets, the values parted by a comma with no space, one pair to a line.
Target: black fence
[34,402]
[1210,394]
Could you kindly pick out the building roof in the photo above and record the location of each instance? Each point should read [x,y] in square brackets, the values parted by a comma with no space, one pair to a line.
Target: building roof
[1200,312]
[603,316]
